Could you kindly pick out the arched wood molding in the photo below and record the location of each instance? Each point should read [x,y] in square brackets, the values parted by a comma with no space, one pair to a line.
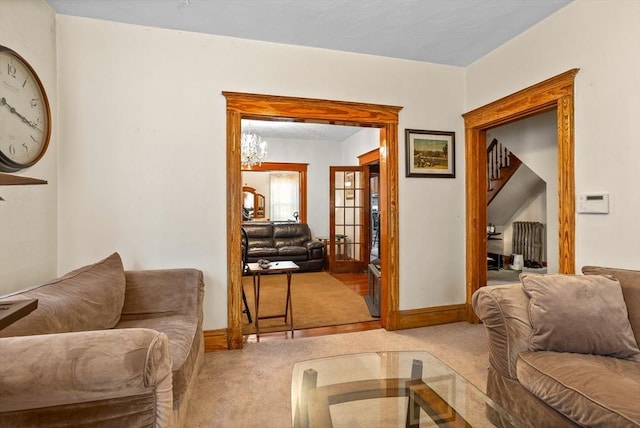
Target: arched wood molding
[268,107]
[300,168]
[556,92]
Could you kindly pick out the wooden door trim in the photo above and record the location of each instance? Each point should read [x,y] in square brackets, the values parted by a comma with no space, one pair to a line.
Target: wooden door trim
[556,92]
[369,157]
[269,107]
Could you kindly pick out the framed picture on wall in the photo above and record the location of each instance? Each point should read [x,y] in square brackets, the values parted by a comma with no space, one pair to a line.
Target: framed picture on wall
[430,153]
[349,184]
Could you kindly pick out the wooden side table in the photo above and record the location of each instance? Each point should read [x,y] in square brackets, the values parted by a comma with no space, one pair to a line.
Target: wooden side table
[286,267]
[12,310]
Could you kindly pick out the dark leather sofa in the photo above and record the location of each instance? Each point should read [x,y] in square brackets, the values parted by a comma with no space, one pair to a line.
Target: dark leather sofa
[284,241]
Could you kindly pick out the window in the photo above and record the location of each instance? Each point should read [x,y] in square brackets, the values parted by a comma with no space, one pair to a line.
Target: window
[284,195]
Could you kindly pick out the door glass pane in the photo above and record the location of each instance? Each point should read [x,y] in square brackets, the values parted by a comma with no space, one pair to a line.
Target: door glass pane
[348,218]
[348,242]
[357,251]
[339,198]
[339,217]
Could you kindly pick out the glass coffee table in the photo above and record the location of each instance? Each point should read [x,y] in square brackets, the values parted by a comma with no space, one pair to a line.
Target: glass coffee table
[388,389]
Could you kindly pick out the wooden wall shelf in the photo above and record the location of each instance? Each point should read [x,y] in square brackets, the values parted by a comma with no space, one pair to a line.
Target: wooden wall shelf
[14,180]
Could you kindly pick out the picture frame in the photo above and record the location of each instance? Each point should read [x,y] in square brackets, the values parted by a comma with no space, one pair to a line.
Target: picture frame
[430,153]
[349,184]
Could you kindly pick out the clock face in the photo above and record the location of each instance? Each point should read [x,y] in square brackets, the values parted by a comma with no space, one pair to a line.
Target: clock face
[24,114]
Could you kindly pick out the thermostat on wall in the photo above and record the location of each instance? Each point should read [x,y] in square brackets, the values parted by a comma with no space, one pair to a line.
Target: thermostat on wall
[593,203]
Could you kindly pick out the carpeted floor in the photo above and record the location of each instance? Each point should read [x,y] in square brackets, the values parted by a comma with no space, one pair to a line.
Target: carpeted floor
[318,299]
[251,387]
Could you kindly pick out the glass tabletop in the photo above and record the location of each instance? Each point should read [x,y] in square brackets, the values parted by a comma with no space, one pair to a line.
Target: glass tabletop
[388,389]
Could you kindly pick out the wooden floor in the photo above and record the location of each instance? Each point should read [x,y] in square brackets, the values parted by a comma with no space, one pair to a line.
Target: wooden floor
[358,282]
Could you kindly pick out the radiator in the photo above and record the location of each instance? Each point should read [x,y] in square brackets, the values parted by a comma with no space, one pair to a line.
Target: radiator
[527,240]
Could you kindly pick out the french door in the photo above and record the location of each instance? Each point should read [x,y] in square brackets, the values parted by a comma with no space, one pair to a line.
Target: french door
[349,224]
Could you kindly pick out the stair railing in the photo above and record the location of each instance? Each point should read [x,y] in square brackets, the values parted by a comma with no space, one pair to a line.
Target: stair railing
[501,165]
[498,157]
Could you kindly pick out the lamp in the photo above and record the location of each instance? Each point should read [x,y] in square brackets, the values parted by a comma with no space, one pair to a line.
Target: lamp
[252,150]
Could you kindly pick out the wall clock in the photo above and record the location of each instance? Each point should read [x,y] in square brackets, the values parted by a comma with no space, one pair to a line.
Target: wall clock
[25,117]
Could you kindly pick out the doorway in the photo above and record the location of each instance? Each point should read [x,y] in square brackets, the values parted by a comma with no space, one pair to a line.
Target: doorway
[348,218]
[265,107]
[372,161]
[556,92]
[523,200]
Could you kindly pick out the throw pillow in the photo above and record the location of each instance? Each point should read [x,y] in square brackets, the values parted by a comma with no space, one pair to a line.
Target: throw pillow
[581,314]
[630,283]
[89,298]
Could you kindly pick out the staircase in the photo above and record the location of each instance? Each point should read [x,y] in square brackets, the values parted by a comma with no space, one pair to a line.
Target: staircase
[501,165]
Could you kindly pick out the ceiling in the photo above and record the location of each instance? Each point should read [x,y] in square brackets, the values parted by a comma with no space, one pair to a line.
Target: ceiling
[450,32]
[453,32]
[299,131]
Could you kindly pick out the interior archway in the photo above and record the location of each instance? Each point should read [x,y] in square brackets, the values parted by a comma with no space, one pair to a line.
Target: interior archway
[556,92]
[268,107]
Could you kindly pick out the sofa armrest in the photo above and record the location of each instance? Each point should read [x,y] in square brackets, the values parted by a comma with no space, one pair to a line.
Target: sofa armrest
[122,377]
[163,292]
[504,311]
[315,250]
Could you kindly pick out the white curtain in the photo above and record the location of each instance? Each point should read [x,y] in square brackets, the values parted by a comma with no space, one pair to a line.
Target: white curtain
[283,195]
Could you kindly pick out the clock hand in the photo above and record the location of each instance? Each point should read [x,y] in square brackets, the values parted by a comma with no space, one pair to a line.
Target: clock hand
[4,102]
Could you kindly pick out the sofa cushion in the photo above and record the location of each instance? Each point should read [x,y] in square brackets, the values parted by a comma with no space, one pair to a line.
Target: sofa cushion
[291,234]
[260,243]
[630,283]
[292,230]
[262,252]
[257,230]
[88,298]
[582,314]
[293,254]
[591,390]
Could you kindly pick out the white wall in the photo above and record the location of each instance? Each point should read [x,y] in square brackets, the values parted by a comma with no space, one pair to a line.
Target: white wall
[602,39]
[28,216]
[142,169]
[358,144]
[319,155]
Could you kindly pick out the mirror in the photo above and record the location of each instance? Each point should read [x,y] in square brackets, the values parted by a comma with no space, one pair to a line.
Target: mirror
[252,204]
[259,206]
[248,203]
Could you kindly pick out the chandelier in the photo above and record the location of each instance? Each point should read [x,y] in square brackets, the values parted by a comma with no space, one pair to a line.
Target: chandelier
[252,150]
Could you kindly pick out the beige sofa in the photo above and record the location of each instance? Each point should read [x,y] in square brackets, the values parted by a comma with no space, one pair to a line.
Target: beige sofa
[564,348]
[105,347]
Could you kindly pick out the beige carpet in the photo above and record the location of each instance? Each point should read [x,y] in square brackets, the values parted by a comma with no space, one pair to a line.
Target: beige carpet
[318,299]
[251,387]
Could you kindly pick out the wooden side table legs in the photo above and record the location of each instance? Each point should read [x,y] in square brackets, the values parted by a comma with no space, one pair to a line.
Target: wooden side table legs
[288,308]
